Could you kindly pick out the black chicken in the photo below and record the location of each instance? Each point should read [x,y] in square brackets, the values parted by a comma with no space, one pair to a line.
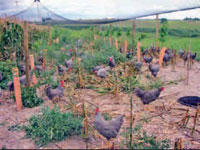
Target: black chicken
[167,57]
[129,54]
[148,60]
[53,93]
[22,68]
[138,65]
[154,68]
[111,62]
[109,129]
[193,56]
[148,96]
[181,53]
[145,52]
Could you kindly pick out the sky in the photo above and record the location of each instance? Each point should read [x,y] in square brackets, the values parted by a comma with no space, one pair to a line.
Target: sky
[98,9]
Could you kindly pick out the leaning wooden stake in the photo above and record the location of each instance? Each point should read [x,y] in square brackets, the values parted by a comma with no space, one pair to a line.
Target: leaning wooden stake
[138,51]
[178,144]
[17,88]
[25,32]
[162,53]
[85,115]
[188,71]
[125,46]
[34,79]
[184,121]
[49,31]
[131,123]
[195,119]
[116,44]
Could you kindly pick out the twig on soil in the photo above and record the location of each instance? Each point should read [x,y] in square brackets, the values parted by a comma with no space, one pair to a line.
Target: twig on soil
[170,95]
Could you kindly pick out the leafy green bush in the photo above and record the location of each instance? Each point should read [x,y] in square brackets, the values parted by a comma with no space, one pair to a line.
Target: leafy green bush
[6,69]
[29,97]
[101,57]
[150,142]
[142,140]
[53,125]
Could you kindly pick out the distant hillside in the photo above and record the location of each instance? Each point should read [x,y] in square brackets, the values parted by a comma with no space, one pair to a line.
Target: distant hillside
[176,27]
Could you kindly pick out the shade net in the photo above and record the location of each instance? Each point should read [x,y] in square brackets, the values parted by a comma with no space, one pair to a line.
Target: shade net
[90,11]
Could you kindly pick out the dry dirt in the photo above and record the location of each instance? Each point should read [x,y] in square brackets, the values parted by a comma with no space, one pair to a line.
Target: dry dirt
[162,123]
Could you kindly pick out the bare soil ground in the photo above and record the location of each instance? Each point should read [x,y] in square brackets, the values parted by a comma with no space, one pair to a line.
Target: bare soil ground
[162,123]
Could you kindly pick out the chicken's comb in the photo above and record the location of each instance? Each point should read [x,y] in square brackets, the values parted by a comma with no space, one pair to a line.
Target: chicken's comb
[162,88]
[97,110]
[62,83]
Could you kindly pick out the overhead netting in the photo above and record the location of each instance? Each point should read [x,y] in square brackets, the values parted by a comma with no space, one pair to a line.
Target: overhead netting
[90,11]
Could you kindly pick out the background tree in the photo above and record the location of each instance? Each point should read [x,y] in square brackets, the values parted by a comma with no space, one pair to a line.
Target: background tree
[163,30]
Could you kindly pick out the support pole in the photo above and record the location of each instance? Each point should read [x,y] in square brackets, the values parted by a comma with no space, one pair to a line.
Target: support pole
[134,25]
[17,88]
[49,31]
[157,32]
[26,53]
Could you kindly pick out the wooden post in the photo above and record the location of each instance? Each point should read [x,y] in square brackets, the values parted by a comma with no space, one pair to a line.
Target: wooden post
[49,30]
[134,25]
[178,144]
[195,118]
[110,34]
[125,46]
[188,69]
[116,44]
[162,53]
[157,32]
[26,53]
[34,79]
[17,88]
[138,51]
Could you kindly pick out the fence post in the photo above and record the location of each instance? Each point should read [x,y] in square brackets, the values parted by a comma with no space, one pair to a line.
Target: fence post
[25,32]
[17,88]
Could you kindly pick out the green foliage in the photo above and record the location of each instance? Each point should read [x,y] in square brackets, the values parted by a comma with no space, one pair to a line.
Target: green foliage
[151,85]
[52,126]
[142,36]
[142,140]
[129,83]
[11,40]
[29,97]
[46,78]
[150,142]
[101,57]
[6,69]
[164,30]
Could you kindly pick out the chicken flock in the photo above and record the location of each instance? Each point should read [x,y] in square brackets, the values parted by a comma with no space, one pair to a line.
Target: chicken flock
[109,129]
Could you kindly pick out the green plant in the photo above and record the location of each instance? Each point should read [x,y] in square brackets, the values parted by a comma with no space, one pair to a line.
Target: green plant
[163,30]
[142,140]
[150,142]
[29,97]
[101,56]
[129,83]
[53,125]
[6,70]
